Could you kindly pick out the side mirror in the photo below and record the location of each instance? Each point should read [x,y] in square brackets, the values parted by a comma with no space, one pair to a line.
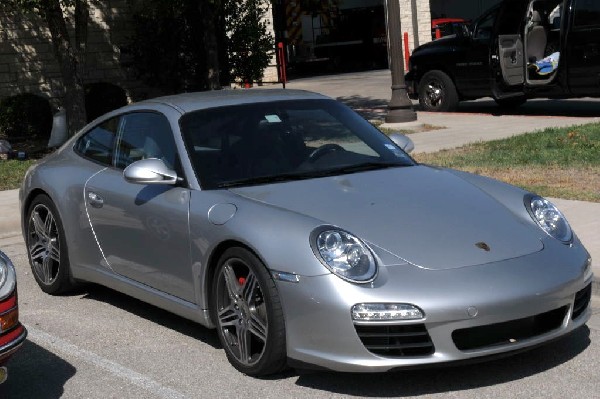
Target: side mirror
[150,171]
[403,142]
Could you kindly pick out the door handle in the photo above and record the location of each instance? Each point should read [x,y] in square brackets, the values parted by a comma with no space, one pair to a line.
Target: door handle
[95,200]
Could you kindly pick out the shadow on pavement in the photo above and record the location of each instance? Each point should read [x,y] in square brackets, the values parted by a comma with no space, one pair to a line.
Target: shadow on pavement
[152,313]
[373,108]
[451,379]
[541,107]
[33,372]
[368,108]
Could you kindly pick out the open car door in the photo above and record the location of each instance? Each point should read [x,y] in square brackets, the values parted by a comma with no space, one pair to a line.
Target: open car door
[508,59]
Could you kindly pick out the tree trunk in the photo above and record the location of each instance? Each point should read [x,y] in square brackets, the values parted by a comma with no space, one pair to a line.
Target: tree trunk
[74,95]
[210,14]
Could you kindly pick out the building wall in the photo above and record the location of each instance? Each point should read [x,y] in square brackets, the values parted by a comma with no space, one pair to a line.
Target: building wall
[423,29]
[28,64]
[270,74]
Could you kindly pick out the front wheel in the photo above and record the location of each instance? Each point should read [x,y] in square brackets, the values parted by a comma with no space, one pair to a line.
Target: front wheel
[247,311]
[437,92]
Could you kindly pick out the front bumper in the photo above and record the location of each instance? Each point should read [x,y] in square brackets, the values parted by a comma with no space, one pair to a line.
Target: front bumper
[14,339]
[531,300]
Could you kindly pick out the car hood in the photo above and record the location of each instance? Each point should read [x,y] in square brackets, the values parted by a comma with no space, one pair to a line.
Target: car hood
[426,216]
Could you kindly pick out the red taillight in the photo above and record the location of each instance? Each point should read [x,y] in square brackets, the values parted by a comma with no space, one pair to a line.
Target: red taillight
[9,314]
[9,303]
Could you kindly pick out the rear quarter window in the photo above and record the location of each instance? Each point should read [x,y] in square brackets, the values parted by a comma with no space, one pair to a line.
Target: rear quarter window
[97,144]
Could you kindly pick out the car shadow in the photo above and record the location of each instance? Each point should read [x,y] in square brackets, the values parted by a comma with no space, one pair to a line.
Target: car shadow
[33,373]
[376,109]
[451,379]
[152,313]
[575,108]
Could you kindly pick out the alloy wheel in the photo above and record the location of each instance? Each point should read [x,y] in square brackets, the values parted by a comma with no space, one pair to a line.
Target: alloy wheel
[241,312]
[44,244]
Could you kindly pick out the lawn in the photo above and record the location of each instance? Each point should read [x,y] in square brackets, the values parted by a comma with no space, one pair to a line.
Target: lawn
[556,162]
[12,172]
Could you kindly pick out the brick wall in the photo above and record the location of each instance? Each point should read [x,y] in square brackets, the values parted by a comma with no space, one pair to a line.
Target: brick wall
[27,62]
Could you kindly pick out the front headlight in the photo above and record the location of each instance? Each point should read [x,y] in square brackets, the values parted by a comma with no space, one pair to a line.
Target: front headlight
[344,254]
[549,218]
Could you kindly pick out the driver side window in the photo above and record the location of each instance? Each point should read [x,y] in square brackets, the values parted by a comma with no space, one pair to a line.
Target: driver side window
[483,30]
[145,135]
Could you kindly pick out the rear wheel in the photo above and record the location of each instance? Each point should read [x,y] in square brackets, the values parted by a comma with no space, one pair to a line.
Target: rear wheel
[47,247]
[437,92]
[246,309]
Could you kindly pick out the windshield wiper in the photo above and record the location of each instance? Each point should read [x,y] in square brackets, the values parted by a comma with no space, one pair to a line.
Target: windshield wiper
[251,181]
[264,180]
[368,166]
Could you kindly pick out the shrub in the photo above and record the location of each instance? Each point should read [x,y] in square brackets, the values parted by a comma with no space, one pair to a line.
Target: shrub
[25,116]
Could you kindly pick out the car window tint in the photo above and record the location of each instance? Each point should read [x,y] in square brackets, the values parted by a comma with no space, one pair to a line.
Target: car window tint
[587,13]
[483,29]
[145,135]
[97,144]
[281,138]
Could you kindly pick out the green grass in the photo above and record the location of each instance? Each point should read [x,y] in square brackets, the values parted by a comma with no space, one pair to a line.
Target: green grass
[561,162]
[12,173]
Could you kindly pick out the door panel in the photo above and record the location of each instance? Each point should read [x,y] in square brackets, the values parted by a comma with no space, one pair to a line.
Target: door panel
[583,48]
[142,231]
[510,49]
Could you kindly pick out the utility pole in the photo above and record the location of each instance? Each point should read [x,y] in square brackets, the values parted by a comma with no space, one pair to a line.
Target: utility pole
[400,106]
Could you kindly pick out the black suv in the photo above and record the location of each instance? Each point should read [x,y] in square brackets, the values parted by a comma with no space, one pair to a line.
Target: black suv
[517,50]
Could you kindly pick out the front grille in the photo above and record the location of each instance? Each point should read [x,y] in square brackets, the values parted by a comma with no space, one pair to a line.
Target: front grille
[395,340]
[510,331]
[582,300]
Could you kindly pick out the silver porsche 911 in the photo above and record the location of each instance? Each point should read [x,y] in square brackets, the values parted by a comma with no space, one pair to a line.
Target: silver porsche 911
[304,235]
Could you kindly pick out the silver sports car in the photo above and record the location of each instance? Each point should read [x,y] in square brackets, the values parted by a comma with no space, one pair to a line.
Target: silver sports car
[303,234]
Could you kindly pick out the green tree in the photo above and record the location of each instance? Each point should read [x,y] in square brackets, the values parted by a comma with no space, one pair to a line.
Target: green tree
[249,46]
[68,54]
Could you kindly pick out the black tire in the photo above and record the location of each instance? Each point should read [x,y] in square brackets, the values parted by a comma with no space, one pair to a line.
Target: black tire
[245,307]
[437,92]
[47,247]
[510,102]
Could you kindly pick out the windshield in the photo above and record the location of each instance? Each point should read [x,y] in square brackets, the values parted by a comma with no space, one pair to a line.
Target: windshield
[259,143]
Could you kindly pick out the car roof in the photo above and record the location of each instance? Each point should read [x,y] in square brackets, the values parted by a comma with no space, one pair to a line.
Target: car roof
[187,102]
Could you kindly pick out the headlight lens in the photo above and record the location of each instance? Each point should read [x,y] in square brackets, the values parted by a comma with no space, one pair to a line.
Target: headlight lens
[346,256]
[549,218]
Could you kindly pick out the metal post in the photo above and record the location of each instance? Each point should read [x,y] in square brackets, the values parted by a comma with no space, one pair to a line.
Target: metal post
[400,106]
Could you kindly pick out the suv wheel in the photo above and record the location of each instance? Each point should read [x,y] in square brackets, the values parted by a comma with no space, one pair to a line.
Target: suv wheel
[437,92]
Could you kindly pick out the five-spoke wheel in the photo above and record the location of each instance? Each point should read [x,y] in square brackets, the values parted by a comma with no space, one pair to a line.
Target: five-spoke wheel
[248,314]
